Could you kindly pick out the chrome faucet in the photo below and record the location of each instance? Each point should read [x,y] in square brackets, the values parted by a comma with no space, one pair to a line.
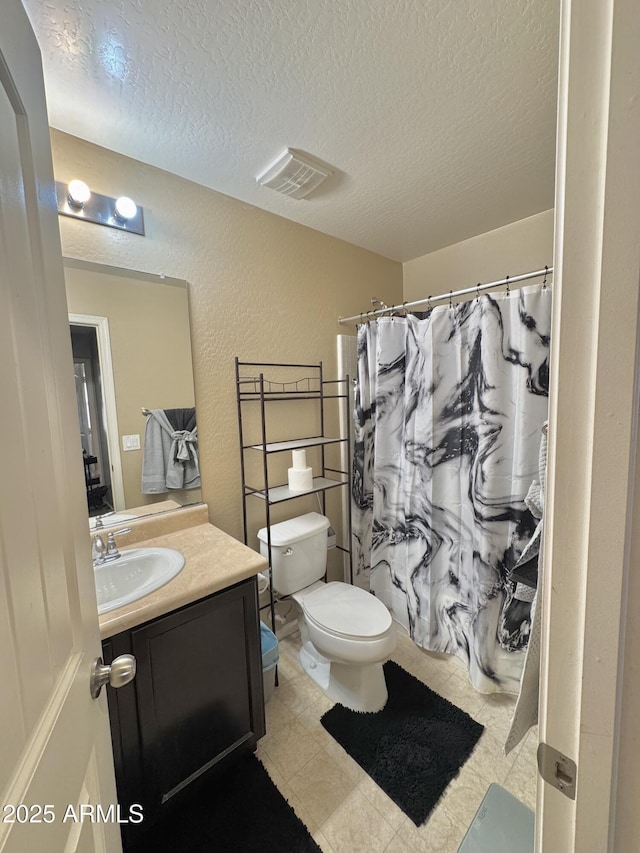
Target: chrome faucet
[102,553]
[98,550]
[98,519]
[112,549]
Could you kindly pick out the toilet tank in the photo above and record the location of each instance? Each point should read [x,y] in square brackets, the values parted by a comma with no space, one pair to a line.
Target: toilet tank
[298,551]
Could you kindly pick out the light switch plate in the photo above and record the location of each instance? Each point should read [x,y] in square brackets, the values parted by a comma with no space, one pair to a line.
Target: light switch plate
[131,442]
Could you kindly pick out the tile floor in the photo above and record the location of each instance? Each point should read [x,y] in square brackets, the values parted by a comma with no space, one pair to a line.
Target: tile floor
[342,807]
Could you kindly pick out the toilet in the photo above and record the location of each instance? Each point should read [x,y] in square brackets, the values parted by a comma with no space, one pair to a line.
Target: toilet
[346,632]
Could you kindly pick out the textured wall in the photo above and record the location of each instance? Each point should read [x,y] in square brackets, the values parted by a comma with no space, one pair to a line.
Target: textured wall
[516,248]
[260,287]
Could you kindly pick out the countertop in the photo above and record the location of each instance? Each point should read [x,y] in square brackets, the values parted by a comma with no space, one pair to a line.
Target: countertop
[213,561]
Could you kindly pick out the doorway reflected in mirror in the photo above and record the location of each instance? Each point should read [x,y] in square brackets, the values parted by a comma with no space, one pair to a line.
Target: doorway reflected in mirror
[93,433]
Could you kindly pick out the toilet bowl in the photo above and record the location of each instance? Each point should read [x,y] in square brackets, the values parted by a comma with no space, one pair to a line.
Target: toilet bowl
[346,633]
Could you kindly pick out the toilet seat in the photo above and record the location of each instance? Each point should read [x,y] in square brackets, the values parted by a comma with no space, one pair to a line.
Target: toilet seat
[346,611]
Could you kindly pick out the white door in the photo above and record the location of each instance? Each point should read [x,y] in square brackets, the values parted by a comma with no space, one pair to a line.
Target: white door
[588,687]
[54,740]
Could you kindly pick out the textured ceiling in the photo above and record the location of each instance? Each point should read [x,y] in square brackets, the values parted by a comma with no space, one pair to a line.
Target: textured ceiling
[438,118]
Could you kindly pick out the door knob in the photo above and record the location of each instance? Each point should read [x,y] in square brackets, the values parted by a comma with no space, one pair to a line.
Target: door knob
[121,671]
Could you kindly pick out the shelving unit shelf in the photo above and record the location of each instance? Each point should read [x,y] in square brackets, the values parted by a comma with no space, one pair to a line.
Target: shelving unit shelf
[257,389]
[278,494]
[294,444]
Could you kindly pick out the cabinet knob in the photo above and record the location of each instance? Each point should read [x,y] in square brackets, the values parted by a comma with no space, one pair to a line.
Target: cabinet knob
[121,671]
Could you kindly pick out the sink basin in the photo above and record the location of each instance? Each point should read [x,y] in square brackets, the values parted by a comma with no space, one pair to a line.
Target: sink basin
[135,574]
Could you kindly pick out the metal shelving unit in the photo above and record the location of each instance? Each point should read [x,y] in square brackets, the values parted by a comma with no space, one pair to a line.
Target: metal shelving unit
[257,389]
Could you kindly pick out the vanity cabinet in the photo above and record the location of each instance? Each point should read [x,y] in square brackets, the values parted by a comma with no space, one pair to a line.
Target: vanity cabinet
[196,701]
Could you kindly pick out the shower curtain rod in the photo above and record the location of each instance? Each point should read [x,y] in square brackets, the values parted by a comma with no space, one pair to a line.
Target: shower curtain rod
[452,294]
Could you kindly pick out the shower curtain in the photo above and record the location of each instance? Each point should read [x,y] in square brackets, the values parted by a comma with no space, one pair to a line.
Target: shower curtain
[448,414]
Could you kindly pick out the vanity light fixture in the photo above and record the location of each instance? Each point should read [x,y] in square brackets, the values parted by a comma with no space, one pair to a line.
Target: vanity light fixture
[79,202]
[125,208]
[78,194]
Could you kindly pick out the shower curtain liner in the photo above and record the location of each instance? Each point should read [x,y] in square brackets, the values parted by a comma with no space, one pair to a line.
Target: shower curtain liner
[448,414]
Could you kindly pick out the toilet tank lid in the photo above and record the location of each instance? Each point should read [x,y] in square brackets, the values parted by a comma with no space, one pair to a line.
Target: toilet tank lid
[295,529]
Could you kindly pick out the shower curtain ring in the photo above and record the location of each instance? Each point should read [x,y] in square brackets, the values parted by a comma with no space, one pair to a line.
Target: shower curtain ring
[546,272]
[477,291]
[507,283]
[450,302]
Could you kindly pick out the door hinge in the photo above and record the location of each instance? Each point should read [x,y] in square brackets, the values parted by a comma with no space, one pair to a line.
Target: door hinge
[557,769]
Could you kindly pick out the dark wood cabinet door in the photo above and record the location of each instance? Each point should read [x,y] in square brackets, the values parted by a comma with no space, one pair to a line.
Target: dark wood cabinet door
[196,700]
[195,684]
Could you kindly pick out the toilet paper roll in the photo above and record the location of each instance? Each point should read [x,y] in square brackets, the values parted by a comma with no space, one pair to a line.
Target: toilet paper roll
[300,479]
[263,583]
[299,458]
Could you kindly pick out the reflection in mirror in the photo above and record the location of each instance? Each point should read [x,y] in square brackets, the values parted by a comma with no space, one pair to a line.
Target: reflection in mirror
[133,373]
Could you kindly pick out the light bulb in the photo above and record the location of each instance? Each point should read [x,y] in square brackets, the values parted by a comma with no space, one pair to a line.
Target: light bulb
[78,194]
[125,208]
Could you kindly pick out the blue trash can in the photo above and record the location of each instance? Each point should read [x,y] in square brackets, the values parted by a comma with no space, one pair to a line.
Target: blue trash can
[270,658]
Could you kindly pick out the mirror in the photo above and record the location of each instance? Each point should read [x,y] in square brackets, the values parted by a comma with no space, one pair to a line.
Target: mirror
[131,346]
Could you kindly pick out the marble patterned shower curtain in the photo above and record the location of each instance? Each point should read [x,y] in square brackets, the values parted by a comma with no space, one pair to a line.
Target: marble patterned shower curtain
[448,415]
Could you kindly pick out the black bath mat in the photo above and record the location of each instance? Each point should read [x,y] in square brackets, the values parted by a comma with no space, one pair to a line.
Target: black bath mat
[241,810]
[412,748]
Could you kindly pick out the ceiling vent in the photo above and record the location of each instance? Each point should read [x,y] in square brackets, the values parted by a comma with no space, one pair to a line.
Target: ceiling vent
[293,174]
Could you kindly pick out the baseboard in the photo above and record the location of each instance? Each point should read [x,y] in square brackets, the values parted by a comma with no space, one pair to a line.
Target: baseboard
[290,627]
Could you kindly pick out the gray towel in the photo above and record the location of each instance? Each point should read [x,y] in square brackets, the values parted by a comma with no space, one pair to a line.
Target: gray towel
[525,714]
[182,418]
[170,458]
